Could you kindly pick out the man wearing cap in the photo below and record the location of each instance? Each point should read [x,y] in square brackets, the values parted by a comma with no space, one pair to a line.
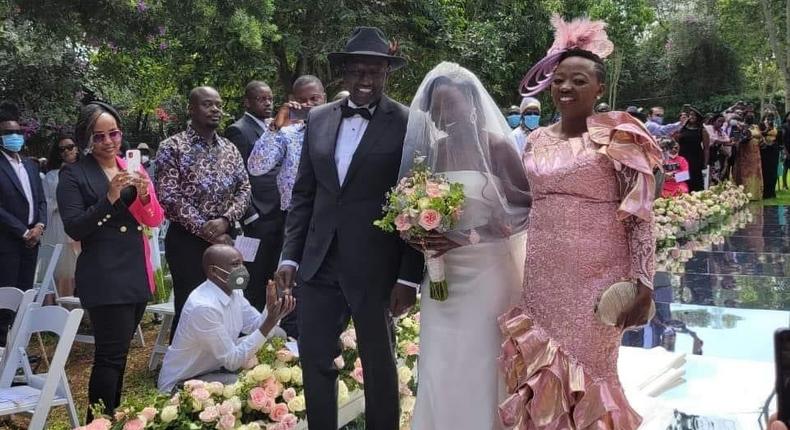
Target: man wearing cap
[347,268]
[530,120]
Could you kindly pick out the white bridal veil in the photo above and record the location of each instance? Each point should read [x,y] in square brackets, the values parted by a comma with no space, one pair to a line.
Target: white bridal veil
[456,125]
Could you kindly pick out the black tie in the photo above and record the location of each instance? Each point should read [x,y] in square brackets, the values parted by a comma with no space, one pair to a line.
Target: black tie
[348,112]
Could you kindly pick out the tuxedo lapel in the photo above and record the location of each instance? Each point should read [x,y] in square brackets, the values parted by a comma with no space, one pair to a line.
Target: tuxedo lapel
[332,128]
[376,129]
[6,167]
[253,125]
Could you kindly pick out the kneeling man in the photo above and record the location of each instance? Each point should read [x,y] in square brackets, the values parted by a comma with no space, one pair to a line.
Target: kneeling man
[215,315]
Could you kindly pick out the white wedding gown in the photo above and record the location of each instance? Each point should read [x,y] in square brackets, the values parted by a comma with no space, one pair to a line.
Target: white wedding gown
[459,382]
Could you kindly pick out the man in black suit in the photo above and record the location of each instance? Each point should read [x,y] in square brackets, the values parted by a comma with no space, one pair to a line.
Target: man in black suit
[264,220]
[347,268]
[23,211]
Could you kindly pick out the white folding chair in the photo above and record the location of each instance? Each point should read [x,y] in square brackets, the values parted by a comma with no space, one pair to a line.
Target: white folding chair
[14,300]
[46,284]
[45,390]
[167,310]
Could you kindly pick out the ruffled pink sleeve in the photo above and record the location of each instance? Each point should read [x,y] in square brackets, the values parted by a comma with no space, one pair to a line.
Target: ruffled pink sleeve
[635,155]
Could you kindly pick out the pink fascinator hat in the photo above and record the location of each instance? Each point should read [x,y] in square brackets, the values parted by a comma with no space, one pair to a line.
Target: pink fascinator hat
[581,33]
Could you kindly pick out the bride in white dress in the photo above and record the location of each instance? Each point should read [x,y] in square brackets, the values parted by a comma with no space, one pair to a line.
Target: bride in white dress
[457,126]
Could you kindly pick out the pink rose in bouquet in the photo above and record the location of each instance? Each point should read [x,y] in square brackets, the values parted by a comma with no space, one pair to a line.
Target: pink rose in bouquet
[357,374]
[432,189]
[289,422]
[289,394]
[272,387]
[227,422]
[200,394]
[430,219]
[135,424]
[278,412]
[209,415]
[402,222]
[259,399]
[339,362]
[149,413]
[285,355]
[412,349]
[98,424]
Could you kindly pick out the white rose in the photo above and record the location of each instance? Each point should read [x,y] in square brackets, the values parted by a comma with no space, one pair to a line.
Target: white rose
[297,404]
[296,375]
[283,374]
[407,404]
[169,413]
[230,390]
[261,372]
[404,375]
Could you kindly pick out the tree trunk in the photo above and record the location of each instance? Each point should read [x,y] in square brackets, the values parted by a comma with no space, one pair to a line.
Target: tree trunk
[284,72]
[615,78]
[780,52]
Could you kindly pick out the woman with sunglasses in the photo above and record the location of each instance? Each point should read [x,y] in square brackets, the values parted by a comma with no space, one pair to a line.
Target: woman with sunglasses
[62,151]
[106,208]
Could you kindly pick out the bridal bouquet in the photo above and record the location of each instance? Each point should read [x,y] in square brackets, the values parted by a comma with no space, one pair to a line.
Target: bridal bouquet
[422,203]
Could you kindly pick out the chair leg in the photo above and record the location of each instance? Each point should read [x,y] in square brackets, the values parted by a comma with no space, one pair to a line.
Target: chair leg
[140,336]
[161,342]
[43,350]
[72,410]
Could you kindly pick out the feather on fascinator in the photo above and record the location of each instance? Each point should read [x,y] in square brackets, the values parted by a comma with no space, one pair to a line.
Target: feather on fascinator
[581,33]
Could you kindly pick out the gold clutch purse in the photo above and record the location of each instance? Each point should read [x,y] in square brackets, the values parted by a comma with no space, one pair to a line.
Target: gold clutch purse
[617,299]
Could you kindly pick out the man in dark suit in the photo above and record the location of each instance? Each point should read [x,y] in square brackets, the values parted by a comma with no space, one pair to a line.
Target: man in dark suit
[23,211]
[347,268]
[264,220]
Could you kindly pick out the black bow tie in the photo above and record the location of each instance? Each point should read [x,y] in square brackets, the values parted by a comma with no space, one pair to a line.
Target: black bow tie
[348,112]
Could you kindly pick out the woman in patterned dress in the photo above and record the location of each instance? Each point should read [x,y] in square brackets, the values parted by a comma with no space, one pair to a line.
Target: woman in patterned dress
[591,223]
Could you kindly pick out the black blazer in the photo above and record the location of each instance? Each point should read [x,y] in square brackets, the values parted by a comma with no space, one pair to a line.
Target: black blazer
[111,269]
[265,195]
[14,209]
[323,210]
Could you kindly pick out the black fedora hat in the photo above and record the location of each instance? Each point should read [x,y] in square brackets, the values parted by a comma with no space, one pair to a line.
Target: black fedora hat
[367,42]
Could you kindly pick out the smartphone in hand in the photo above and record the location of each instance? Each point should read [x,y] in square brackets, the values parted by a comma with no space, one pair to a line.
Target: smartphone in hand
[298,114]
[133,161]
[782,361]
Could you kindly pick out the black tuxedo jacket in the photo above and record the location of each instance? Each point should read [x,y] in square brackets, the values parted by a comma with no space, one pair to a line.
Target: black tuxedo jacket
[265,196]
[14,209]
[324,210]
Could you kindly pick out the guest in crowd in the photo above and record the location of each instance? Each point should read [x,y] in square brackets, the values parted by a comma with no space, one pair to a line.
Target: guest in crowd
[603,108]
[285,147]
[23,211]
[769,154]
[204,189]
[529,121]
[636,112]
[340,95]
[207,344]
[676,170]
[513,117]
[720,148]
[786,145]
[106,208]
[63,151]
[264,220]
[695,147]
[748,165]
[655,123]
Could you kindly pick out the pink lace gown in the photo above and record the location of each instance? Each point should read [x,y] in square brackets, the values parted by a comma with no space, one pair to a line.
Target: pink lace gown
[590,226]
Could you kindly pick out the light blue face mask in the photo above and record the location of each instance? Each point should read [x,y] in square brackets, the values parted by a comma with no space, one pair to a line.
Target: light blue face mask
[657,119]
[531,121]
[513,120]
[13,142]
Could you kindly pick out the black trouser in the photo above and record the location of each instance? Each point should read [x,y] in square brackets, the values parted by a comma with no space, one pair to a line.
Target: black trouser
[323,314]
[184,254]
[270,231]
[17,269]
[113,327]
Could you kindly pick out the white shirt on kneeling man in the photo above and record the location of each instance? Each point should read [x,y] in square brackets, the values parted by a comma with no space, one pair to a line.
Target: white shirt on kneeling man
[207,337]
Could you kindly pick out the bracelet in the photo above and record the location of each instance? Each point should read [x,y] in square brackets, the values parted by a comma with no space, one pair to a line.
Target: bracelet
[144,195]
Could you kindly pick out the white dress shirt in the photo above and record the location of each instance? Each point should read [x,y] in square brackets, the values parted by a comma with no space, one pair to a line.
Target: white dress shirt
[207,337]
[24,179]
[348,138]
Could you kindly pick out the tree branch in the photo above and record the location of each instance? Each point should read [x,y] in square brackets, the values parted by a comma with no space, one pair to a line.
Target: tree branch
[773,38]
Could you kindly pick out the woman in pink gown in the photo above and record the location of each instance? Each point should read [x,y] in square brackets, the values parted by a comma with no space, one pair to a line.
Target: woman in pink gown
[591,226]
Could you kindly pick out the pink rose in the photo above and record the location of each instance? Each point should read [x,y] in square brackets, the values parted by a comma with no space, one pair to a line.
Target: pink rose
[278,412]
[99,424]
[284,355]
[225,408]
[289,422]
[402,222]
[272,388]
[417,317]
[430,219]
[433,189]
[339,362]
[357,375]
[119,415]
[209,415]
[289,394]
[135,424]
[412,348]
[358,362]
[200,394]
[148,413]
[258,398]
[193,384]
[349,339]
[227,422]
[408,191]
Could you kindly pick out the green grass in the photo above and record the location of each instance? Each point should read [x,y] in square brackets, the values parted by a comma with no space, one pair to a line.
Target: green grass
[782,199]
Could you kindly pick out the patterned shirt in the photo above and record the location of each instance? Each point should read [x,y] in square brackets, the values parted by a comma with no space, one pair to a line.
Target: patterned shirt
[273,148]
[199,181]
